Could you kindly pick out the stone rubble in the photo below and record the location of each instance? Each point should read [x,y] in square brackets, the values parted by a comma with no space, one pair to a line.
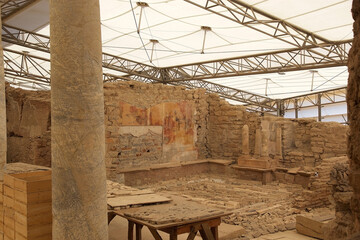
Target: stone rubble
[260,209]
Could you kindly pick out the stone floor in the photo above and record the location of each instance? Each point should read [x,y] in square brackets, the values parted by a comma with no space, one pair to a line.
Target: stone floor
[259,209]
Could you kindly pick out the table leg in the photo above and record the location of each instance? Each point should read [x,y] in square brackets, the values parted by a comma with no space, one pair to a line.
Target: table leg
[192,233]
[130,230]
[215,232]
[206,233]
[138,231]
[173,234]
[111,216]
[155,234]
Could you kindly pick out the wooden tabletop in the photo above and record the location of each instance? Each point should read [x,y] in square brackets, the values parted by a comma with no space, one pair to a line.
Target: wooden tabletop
[171,214]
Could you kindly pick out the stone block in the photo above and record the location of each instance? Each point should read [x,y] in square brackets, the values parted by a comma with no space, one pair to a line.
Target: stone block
[317,149]
[289,178]
[302,180]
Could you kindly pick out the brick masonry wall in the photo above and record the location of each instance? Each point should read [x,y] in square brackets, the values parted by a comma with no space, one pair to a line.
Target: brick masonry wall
[225,128]
[136,151]
[193,125]
[181,114]
[307,142]
[318,192]
[150,124]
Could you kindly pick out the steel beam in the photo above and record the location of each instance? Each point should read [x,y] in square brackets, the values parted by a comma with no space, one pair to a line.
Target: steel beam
[256,19]
[33,68]
[42,43]
[309,57]
[193,75]
[231,93]
[319,107]
[337,95]
[24,66]
[11,7]
[329,55]
[296,103]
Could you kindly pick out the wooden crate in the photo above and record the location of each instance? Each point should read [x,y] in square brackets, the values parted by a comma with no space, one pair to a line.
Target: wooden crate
[27,206]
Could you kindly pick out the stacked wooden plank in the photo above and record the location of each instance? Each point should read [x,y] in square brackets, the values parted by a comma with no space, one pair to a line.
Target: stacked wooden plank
[1,211]
[27,206]
[120,196]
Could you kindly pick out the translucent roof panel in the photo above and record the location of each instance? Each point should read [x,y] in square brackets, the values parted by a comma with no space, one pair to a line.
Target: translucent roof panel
[165,33]
[289,84]
[330,19]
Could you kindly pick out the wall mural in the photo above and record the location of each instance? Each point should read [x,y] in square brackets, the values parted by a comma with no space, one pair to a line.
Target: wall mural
[176,120]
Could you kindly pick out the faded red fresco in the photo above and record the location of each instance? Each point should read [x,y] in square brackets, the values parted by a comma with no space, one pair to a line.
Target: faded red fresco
[176,119]
[178,123]
[131,115]
[156,115]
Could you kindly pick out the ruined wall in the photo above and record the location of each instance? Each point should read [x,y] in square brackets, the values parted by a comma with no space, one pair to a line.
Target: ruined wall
[304,142]
[28,126]
[341,227]
[145,124]
[318,190]
[307,142]
[353,103]
[225,128]
[151,124]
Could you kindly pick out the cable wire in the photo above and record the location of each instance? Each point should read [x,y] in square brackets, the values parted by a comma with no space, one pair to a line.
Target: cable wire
[132,9]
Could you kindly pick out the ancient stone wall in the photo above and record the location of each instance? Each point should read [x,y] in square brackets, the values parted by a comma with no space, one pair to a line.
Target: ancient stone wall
[307,142]
[153,123]
[318,191]
[353,103]
[341,227]
[225,128]
[294,142]
[28,126]
[145,124]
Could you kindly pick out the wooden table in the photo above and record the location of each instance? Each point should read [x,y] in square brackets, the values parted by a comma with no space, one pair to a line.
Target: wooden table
[207,226]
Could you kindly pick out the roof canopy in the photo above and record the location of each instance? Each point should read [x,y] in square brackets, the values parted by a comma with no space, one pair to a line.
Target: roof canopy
[267,49]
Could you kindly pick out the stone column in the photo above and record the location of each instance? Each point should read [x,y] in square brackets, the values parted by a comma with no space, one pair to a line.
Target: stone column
[3,137]
[245,140]
[258,144]
[353,103]
[265,135]
[77,121]
[278,143]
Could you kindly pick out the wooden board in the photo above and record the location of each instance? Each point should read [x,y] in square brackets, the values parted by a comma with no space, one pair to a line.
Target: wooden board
[313,227]
[178,210]
[115,189]
[170,224]
[116,193]
[125,201]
